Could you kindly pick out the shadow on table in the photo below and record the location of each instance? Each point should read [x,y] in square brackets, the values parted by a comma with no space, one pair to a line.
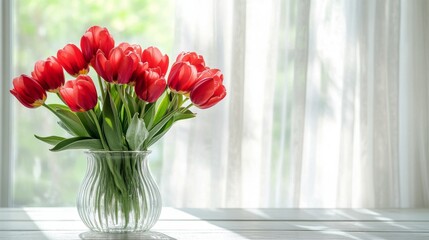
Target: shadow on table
[304,223]
[127,236]
[20,223]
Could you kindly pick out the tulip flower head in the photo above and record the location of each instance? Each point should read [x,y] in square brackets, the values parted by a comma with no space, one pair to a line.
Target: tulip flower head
[131,47]
[194,59]
[118,67]
[185,71]
[154,58]
[79,94]
[151,85]
[96,38]
[182,77]
[72,60]
[49,74]
[138,74]
[28,91]
[134,51]
[209,89]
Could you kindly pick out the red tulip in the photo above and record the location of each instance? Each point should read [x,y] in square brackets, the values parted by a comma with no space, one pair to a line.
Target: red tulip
[154,58]
[182,77]
[79,94]
[72,60]
[151,86]
[49,74]
[210,73]
[126,47]
[96,38]
[209,89]
[28,91]
[134,51]
[192,58]
[118,67]
[138,73]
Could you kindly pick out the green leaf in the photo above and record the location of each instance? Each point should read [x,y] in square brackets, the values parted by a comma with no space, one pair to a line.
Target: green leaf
[88,124]
[124,120]
[149,114]
[53,140]
[63,126]
[55,106]
[161,109]
[160,125]
[176,101]
[112,125]
[136,133]
[186,115]
[69,120]
[97,111]
[161,133]
[78,143]
[131,103]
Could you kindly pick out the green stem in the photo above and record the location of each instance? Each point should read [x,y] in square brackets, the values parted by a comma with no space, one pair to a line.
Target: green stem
[52,110]
[143,109]
[49,108]
[184,101]
[97,124]
[121,95]
[187,107]
[173,102]
[103,94]
[59,96]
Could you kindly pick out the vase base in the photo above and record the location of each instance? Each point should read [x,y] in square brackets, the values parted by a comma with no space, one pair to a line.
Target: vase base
[125,235]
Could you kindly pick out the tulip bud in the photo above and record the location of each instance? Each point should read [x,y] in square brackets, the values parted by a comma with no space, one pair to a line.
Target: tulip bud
[96,38]
[151,85]
[49,74]
[72,60]
[209,89]
[28,91]
[182,77]
[79,94]
[154,58]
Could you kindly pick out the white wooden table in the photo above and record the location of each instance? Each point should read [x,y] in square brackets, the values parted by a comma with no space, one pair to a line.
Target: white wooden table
[64,223]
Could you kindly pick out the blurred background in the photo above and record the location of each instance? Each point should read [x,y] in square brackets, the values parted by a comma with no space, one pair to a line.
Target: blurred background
[327,101]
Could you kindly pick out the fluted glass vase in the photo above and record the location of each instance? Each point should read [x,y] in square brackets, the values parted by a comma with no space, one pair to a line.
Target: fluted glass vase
[118,193]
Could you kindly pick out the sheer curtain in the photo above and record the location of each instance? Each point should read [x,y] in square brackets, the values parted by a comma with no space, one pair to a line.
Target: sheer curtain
[327,106]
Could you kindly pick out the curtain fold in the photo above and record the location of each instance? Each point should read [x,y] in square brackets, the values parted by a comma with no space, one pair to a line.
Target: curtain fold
[414,104]
[327,106]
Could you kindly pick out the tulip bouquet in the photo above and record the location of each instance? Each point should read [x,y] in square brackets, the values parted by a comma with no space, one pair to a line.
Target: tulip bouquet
[135,104]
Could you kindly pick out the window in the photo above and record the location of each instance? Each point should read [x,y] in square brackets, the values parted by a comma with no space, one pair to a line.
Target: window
[326,103]
[5,119]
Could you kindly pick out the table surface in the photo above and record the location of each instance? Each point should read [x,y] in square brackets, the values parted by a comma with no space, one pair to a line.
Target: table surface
[64,223]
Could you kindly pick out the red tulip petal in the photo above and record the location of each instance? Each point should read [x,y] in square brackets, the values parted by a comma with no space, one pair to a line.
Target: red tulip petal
[203,92]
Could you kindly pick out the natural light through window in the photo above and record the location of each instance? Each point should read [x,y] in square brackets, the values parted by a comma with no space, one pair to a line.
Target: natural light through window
[325,105]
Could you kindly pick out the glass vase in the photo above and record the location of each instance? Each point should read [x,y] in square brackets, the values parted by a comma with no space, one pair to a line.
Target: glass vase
[118,193]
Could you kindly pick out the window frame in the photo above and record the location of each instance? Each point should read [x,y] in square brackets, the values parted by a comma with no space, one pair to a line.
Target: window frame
[6,140]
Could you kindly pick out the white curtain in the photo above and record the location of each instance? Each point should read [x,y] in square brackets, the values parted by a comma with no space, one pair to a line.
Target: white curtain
[327,105]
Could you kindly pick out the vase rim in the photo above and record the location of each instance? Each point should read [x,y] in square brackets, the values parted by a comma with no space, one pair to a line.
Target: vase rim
[101,151]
